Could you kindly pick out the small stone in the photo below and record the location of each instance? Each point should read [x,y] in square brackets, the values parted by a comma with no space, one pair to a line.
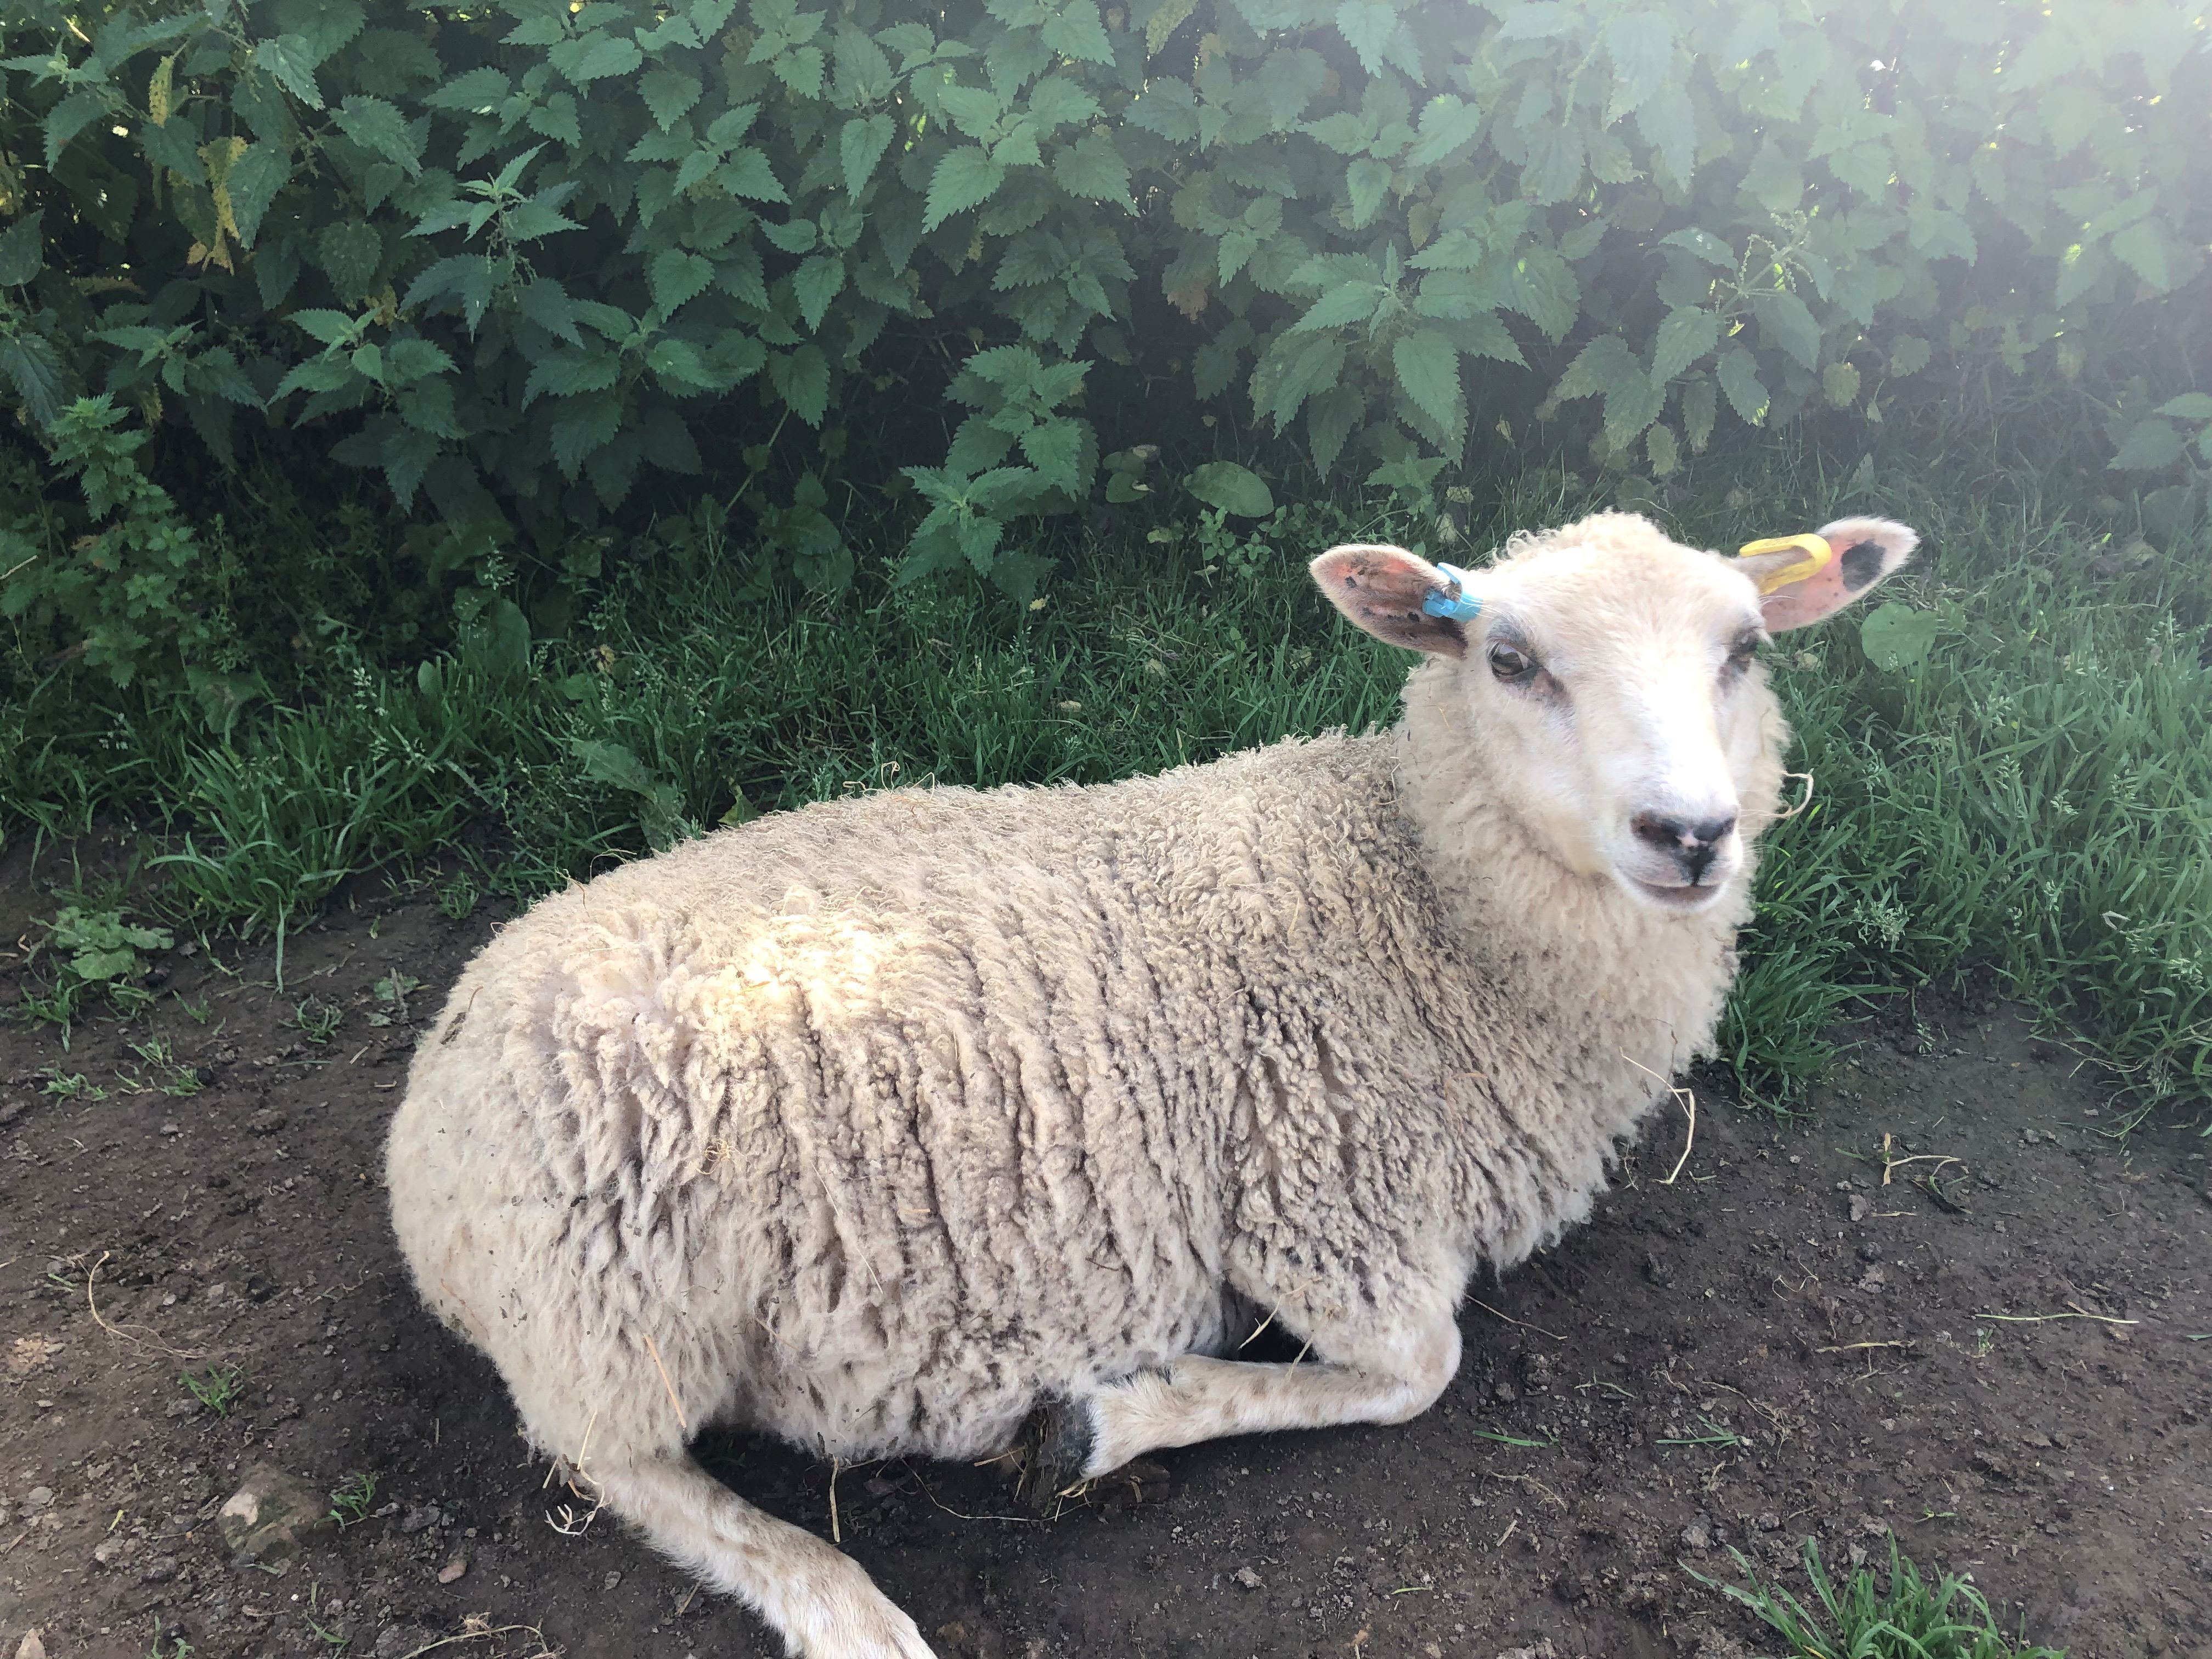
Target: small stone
[1698,1534]
[2036,1438]
[1768,1521]
[112,1549]
[396,1641]
[180,1408]
[1992,1465]
[452,1571]
[266,1122]
[170,1128]
[1873,1282]
[1860,1208]
[1654,1269]
[1249,1578]
[266,1520]
[31,1647]
[38,1498]
[613,1581]
[416,1520]
[159,1570]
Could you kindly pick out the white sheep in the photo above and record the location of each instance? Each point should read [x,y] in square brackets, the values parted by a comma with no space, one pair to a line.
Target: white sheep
[894,1125]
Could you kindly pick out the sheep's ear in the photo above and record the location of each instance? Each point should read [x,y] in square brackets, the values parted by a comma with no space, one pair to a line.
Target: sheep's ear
[1381,589]
[1866,550]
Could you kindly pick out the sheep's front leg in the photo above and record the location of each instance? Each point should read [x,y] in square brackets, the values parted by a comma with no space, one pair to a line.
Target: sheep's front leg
[1374,1371]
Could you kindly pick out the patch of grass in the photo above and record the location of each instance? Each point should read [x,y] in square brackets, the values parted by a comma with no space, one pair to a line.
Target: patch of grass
[1908,1619]
[94,952]
[2034,792]
[316,1020]
[349,1502]
[217,1389]
[1714,1434]
[71,1085]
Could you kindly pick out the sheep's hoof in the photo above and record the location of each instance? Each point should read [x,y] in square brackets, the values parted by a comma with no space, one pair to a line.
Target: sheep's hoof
[1056,1445]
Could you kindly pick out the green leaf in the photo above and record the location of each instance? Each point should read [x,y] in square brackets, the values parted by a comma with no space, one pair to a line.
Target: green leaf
[22,252]
[816,284]
[379,127]
[1641,45]
[1785,319]
[1542,286]
[1839,384]
[964,178]
[1079,33]
[747,174]
[1663,452]
[291,63]
[1896,636]
[1688,334]
[678,366]
[598,57]
[1231,488]
[1667,122]
[478,92]
[1091,167]
[586,425]
[1537,20]
[1604,363]
[669,94]
[1349,302]
[1909,355]
[2141,248]
[260,171]
[1553,171]
[349,251]
[76,112]
[2188,406]
[1374,29]
[675,276]
[1738,377]
[803,379]
[2151,445]
[861,145]
[1367,181]
[1447,127]
[1428,372]
[1700,409]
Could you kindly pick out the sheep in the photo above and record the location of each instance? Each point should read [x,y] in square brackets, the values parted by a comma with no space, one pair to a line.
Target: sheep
[938,1122]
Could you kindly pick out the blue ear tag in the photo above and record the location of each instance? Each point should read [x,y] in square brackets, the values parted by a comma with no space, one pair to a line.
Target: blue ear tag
[1452,602]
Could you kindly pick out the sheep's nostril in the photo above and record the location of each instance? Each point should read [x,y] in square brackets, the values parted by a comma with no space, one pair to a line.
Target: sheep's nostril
[1713,831]
[1695,845]
[1666,833]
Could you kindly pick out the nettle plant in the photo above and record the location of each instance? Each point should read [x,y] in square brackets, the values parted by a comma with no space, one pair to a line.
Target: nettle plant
[511,256]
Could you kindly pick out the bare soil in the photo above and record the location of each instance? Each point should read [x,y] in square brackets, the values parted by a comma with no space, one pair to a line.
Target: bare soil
[1999,1358]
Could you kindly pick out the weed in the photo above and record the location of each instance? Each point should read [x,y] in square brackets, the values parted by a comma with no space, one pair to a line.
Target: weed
[179,1647]
[216,1389]
[170,1078]
[391,992]
[1909,1620]
[1515,1440]
[458,896]
[71,1085]
[99,952]
[349,1502]
[1715,1434]
[198,1012]
[316,1020]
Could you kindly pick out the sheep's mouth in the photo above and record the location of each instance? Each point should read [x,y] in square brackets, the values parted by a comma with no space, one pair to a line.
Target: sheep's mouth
[1683,899]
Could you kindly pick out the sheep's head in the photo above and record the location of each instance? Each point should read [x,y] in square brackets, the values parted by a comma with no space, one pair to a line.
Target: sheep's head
[1612,677]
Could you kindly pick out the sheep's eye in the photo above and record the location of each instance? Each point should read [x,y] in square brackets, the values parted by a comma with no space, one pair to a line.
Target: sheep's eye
[1742,653]
[1511,665]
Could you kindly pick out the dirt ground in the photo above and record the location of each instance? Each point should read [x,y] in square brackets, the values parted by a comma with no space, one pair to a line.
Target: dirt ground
[2009,1368]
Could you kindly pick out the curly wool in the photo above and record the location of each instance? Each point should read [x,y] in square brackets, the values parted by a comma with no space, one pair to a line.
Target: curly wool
[871,1124]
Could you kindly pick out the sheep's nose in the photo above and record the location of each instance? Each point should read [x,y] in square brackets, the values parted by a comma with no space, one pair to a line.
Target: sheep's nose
[1694,844]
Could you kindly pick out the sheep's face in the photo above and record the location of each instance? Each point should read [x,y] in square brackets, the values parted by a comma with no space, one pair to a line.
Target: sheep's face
[1611,676]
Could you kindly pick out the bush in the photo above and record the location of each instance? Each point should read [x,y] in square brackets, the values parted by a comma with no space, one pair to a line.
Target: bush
[512,256]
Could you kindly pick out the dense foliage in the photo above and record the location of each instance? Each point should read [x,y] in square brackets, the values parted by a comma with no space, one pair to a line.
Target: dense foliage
[511,258]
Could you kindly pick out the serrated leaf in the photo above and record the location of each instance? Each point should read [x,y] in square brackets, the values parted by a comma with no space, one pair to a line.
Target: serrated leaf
[1091,167]
[1171,16]
[1349,302]
[2151,445]
[1641,46]
[1447,125]
[1909,355]
[747,174]
[861,145]
[1661,451]
[1374,30]
[1553,171]
[1739,378]
[597,55]
[585,426]
[1839,384]
[571,372]
[803,378]
[22,250]
[1367,181]
[963,178]
[1687,334]
[1537,20]
[1079,33]
[1233,489]
[1787,321]
[2188,406]
[1700,409]
[1427,365]
[676,275]
[290,62]
[1667,123]
[669,94]
[254,178]
[349,251]
[477,92]
[679,367]
[815,283]
[379,127]
[2141,248]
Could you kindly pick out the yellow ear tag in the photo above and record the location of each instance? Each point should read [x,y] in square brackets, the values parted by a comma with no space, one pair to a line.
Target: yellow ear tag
[1816,550]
